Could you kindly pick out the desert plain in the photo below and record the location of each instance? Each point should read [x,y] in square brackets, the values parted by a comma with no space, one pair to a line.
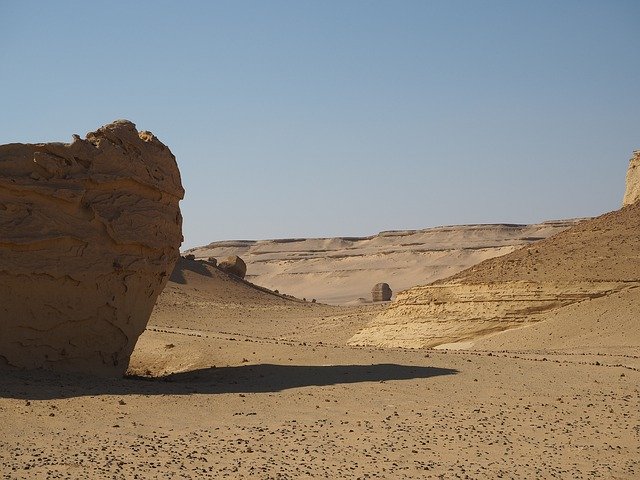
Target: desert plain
[513,352]
[230,381]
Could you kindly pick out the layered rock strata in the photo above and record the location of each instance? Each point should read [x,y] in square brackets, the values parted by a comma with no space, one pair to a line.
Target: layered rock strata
[432,315]
[340,270]
[89,233]
[594,258]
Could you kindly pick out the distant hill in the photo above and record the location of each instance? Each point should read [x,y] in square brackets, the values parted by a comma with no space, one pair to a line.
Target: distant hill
[340,270]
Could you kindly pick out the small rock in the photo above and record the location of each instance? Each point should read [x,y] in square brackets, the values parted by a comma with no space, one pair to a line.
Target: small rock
[381,292]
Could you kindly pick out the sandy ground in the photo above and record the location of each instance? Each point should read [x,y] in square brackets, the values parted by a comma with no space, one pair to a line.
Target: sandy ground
[233,382]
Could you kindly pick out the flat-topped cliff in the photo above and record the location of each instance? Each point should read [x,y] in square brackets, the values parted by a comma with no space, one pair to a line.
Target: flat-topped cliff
[342,269]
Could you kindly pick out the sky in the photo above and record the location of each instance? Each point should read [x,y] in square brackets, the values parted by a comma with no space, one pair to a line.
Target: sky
[343,118]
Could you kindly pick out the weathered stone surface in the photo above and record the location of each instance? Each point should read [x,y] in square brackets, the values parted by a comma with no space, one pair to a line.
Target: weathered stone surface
[233,265]
[381,292]
[432,315]
[89,232]
[632,190]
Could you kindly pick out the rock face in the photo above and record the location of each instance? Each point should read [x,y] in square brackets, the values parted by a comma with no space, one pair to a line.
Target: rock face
[89,233]
[432,315]
[381,292]
[233,265]
[632,190]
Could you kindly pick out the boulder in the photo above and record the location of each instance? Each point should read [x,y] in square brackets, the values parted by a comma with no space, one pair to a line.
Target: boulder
[233,265]
[632,190]
[381,292]
[212,261]
[89,233]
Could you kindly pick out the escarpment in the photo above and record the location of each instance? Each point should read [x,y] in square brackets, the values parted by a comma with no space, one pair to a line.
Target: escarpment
[89,233]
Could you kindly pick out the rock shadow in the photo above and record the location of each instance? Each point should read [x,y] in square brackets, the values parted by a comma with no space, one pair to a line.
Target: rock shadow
[259,378]
[195,266]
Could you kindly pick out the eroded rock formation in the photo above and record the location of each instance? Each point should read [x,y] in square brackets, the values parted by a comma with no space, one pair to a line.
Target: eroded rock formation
[89,232]
[233,265]
[381,292]
[632,190]
[432,315]
[595,258]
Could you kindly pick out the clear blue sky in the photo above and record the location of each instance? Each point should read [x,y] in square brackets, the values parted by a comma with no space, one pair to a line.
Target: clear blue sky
[326,118]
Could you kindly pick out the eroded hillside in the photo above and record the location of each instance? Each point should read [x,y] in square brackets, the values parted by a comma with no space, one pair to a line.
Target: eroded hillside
[341,270]
[593,259]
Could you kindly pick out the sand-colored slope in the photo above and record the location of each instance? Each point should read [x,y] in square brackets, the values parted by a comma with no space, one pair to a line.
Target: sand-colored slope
[610,324]
[202,301]
[199,296]
[341,270]
[596,258]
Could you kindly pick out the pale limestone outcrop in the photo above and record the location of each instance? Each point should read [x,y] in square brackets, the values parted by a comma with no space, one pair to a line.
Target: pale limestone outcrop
[432,315]
[89,233]
[632,189]
[594,258]
[301,267]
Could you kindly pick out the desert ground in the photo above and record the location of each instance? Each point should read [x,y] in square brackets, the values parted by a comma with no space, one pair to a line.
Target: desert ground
[234,381]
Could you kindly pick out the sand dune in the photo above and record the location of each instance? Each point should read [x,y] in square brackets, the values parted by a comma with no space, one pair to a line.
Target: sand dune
[341,270]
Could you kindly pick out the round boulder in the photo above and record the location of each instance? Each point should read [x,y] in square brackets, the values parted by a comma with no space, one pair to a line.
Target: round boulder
[233,265]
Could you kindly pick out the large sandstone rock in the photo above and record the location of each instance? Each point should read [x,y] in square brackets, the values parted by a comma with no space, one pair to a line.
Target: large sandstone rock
[233,265]
[89,232]
[632,190]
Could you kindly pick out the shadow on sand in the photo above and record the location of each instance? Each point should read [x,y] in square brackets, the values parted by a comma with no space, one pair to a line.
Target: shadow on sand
[200,268]
[258,378]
